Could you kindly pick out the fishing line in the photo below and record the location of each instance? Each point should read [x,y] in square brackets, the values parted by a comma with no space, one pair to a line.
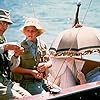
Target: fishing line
[86,11]
[34,12]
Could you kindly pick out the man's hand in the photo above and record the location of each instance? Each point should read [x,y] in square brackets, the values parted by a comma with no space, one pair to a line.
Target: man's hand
[15,47]
[19,52]
[8,46]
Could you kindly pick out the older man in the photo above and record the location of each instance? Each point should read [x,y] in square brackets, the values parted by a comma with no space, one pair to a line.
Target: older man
[7,89]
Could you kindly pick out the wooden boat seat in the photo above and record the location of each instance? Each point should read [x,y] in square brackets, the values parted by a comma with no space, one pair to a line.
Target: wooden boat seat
[90,65]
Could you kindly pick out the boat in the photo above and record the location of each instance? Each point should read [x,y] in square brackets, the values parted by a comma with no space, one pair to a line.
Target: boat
[80,92]
[84,91]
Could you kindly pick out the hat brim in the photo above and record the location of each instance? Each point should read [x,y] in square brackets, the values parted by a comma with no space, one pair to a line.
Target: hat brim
[6,20]
[40,29]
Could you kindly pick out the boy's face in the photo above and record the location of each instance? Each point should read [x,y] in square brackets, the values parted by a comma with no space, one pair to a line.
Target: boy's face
[31,32]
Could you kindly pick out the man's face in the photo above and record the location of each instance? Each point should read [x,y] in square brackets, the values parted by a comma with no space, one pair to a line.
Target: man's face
[3,27]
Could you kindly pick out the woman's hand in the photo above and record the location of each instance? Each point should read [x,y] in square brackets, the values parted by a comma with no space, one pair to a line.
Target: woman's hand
[81,77]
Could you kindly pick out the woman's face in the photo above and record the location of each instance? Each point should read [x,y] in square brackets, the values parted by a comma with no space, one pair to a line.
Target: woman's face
[31,32]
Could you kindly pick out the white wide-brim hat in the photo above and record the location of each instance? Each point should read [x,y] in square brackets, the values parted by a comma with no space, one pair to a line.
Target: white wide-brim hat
[33,22]
[5,16]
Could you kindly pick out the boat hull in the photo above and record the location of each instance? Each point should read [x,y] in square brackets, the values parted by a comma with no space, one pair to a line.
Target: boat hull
[79,92]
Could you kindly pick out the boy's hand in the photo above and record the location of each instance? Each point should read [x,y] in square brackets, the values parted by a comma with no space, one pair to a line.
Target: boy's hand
[37,75]
[41,68]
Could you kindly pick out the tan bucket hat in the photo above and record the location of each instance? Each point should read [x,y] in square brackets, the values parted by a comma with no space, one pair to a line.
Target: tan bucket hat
[5,16]
[32,22]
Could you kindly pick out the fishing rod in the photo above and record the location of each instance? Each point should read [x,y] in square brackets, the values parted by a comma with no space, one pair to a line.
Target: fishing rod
[77,13]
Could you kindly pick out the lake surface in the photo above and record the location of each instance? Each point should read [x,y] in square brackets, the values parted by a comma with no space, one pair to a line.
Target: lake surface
[54,15]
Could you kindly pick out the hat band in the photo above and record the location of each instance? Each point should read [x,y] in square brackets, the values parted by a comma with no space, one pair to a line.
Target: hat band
[4,17]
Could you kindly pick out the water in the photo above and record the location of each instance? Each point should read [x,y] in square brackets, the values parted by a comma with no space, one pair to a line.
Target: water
[54,15]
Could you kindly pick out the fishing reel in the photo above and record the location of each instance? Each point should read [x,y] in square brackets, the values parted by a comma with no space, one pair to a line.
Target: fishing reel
[53,90]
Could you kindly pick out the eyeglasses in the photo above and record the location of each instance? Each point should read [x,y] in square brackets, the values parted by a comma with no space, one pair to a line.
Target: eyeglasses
[3,23]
